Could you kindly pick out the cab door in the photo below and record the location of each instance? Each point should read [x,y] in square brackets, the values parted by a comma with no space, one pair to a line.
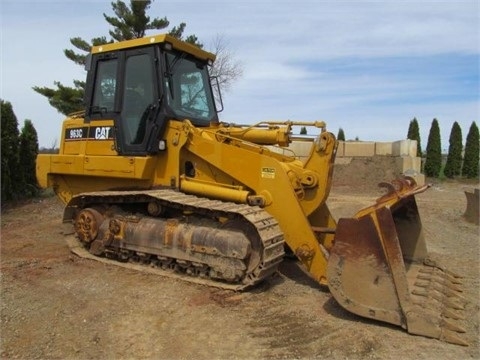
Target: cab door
[139,100]
[125,90]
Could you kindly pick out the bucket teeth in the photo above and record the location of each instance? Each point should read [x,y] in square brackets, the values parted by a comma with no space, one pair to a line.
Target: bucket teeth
[455,287]
[443,296]
[455,295]
[454,304]
[454,279]
[452,314]
[432,264]
[444,279]
[448,325]
[437,295]
[422,284]
[452,338]
[421,292]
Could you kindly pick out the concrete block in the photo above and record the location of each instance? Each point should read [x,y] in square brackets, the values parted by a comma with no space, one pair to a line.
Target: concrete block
[418,177]
[383,149]
[359,148]
[404,163]
[341,149]
[300,148]
[404,148]
[276,149]
[343,160]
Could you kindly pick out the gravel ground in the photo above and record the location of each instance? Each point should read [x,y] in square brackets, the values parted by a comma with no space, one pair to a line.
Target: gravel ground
[55,305]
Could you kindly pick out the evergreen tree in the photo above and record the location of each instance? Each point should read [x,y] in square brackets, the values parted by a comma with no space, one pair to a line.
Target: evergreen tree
[11,177]
[453,166]
[65,99]
[433,162]
[84,46]
[472,153]
[28,154]
[414,134]
[129,21]
[341,135]
[303,130]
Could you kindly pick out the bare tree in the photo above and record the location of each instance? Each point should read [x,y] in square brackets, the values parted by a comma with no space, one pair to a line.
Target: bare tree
[226,68]
[54,144]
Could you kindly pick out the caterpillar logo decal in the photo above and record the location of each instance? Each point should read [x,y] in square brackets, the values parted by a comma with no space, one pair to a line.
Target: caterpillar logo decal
[90,133]
[102,133]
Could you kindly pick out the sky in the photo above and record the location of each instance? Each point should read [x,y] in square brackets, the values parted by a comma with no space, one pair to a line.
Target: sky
[368,67]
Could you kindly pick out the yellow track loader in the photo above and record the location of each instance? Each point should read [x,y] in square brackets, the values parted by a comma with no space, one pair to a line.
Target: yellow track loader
[151,177]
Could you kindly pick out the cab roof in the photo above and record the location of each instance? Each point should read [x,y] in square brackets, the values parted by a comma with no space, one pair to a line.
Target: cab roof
[155,39]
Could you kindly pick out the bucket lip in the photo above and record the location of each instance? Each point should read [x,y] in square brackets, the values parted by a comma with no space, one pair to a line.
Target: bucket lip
[396,190]
[401,187]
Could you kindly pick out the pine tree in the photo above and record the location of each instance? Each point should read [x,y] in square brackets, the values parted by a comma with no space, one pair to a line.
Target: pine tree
[65,99]
[453,166]
[472,157]
[303,130]
[414,134]
[129,22]
[28,154]
[84,46]
[11,180]
[433,162]
[341,135]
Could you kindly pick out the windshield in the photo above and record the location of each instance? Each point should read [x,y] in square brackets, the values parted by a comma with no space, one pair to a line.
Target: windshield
[188,89]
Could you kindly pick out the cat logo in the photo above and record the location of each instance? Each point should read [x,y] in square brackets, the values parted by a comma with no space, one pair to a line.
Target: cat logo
[102,133]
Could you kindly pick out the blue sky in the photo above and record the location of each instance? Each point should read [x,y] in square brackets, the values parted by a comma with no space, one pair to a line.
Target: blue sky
[366,66]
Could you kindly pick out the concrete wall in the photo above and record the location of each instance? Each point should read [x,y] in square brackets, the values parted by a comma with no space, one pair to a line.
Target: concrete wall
[404,151]
[365,148]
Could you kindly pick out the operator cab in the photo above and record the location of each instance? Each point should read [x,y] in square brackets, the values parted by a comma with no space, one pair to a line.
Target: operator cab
[143,83]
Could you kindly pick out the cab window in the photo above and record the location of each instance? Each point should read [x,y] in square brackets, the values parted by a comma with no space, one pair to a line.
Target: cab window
[138,96]
[105,86]
[188,89]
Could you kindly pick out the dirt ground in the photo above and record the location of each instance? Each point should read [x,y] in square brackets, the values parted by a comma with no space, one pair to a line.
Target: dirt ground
[55,305]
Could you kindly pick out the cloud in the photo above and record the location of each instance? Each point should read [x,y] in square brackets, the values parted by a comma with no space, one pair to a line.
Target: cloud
[368,66]
[324,30]
[274,71]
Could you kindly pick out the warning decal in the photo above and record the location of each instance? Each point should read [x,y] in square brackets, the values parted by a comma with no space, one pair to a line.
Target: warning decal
[268,173]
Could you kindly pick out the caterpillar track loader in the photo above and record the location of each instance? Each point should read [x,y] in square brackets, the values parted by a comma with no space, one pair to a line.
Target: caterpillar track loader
[151,178]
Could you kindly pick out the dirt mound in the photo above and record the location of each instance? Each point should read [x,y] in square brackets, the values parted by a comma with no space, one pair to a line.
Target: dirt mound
[364,173]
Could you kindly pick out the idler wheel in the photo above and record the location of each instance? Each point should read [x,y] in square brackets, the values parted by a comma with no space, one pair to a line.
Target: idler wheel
[87,224]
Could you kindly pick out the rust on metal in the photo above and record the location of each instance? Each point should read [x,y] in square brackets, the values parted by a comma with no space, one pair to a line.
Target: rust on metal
[323,230]
[473,206]
[379,268]
[221,243]
[87,224]
[305,253]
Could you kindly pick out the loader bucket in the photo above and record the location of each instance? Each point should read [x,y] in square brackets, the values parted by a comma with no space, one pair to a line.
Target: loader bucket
[473,207]
[379,268]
